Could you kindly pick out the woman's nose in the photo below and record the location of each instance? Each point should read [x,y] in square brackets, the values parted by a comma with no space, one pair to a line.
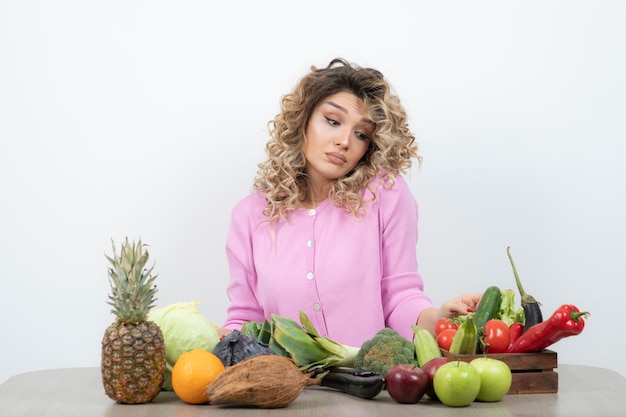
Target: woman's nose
[343,139]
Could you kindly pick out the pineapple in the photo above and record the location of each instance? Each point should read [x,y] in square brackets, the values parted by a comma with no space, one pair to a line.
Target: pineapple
[133,351]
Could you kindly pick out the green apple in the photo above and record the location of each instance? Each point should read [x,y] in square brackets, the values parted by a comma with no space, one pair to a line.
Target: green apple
[495,378]
[456,383]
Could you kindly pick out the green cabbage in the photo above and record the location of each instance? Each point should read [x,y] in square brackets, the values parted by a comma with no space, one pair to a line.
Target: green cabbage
[184,328]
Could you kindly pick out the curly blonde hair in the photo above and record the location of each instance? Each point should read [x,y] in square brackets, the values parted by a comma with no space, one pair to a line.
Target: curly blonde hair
[282,176]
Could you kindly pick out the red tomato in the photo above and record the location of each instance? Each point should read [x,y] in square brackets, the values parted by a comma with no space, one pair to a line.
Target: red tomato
[496,336]
[444,340]
[443,324]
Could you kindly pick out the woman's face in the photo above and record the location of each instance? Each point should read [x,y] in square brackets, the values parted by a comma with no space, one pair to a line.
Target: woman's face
[338,134]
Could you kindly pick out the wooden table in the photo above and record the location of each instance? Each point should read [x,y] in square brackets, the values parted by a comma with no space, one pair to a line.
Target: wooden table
[77,392]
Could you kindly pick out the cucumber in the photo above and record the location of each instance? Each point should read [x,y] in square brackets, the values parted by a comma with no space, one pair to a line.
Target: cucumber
[487,309]
[488,306]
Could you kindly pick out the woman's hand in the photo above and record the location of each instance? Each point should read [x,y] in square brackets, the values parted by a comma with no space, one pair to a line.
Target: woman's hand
[460,305]
[224,332]
[456,306]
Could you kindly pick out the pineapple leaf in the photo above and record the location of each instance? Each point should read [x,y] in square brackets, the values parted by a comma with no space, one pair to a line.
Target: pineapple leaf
[132,285]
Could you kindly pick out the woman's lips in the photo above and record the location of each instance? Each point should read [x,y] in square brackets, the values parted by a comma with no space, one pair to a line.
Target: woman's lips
[336,158]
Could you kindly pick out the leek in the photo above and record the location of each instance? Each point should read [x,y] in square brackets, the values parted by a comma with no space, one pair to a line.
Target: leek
[306,347]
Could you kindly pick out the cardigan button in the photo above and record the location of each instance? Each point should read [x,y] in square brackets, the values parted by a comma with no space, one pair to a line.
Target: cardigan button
[309,276]
[317,307]
[312,212]
[310,243]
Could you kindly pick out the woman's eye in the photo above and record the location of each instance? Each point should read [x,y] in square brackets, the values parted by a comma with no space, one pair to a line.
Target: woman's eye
[332,122]
[362,136]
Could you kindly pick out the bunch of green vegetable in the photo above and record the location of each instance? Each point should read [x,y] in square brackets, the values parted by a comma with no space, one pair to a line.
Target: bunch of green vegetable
[301,342]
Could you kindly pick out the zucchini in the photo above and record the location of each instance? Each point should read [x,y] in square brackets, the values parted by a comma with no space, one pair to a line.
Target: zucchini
[487,309]
[426,347]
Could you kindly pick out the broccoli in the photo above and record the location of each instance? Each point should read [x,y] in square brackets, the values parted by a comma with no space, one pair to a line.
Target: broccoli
[386,349]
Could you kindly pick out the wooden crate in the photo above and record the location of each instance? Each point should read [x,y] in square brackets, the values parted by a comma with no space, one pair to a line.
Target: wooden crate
[533,373]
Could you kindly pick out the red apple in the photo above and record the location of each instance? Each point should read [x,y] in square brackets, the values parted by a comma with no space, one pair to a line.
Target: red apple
[430,368]
[406,384]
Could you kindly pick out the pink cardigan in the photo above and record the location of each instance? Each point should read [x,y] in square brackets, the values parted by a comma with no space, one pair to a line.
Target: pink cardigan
[352,276]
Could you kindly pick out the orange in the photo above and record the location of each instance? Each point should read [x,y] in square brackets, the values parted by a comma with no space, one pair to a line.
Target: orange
[193,372]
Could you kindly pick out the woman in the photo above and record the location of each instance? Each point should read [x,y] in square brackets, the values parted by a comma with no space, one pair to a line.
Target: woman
[331,225]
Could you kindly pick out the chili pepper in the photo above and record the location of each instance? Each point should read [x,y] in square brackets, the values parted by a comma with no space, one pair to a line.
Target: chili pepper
[566,321]
[532,307]
[515,331]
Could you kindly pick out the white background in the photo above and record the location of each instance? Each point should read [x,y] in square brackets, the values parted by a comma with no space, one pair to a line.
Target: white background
[146,119]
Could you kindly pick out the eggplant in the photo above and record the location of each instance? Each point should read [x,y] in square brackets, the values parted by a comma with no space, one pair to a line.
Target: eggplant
[357,382]
[532,307]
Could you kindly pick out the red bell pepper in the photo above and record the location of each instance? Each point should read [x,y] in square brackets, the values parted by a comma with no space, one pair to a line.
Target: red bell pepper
[566,321]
